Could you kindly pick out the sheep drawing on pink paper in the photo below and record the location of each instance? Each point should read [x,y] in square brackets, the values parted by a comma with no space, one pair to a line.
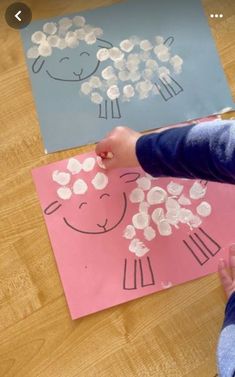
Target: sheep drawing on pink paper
[105,73]
[143,211]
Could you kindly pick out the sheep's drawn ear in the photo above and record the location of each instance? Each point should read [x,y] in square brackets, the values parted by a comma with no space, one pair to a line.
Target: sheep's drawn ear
[38,64]
[130,177]
[52,207]
[102,43]
[168,42]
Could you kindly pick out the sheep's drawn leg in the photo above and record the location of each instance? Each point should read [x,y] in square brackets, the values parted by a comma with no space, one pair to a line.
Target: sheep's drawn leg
[200,244]
[168,89]
[129,278]
[146,273]
[115,109]
[103,111]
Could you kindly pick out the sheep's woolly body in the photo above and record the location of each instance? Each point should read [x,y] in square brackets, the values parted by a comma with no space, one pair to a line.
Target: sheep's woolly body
[132,69]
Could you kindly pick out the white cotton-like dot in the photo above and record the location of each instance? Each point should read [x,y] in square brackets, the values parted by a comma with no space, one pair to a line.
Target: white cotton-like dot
[74,166]
[53,40]
[145,45]
[164,228]
[176,61]
[112,81]
[197,191]
[159,40]
[96,98]
[172,216]
[144,183]
[185,215]
[174,188]
[158,215]
[162,52]
[128,91]
[144,86]
[72,42]
[140,220]
[100,181]
[124,75]
[88,164]
[102,54]
[129,232]
[107,72]
[115,54]
[184,201]
[149,233]
[86,88]
[98,31]
[38,37]
[79,187]
[79,21]
[44,49]
[195,221]
[172,204]
[90,38]
[64,193]
[144,56]
[95,82]
[61,177]
[88,28]
[32,52]
[61,44]
[143,207]
[147,74]
[166,285]
[134,76]
[65,23]
[126,45]
[136,195]
[204,209]
[80,33]
[100,162]
[113,92]
[151,64]
[156,195]
[137,247]
[50,28]
[133,62]
[163,73]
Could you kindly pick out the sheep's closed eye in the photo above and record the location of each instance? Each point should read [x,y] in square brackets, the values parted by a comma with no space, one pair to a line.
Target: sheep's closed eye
[105,194]
[64,58]
[84,52]
[82,204]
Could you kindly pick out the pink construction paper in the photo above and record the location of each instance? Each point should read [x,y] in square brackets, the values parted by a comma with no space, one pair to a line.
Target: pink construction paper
[97,268]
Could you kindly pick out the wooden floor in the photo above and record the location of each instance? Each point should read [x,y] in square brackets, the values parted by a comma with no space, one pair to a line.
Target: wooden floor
[171,333]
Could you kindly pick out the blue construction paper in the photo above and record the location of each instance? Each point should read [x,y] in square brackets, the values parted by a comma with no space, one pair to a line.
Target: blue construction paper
[68,118]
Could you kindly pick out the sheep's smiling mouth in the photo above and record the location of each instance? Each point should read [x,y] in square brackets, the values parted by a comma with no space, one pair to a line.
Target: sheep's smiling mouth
[75,74]
[105,229]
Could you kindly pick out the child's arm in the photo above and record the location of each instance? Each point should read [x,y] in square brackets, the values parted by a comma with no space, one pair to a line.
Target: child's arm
[205,151]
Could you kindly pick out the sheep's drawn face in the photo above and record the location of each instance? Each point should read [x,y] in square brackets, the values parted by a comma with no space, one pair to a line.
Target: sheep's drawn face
[94,214]
[71,64]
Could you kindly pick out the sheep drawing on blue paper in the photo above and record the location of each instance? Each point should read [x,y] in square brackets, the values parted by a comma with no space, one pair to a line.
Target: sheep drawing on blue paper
[107,74]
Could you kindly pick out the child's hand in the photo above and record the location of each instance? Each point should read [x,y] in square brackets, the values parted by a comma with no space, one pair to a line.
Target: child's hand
[117,149]
[227,274]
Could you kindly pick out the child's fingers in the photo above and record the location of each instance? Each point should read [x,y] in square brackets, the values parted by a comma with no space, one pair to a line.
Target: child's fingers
[110,163]
[232,260]
[225,277]
[104,146]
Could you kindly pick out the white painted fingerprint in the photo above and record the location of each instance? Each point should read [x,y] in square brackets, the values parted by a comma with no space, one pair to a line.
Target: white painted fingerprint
[156,195]
[129,232]
[86,88]
[32,52]
[80,187]
[88,164]
[151,64]
[90,38]
[38,37]
[100,181]
[204,209]
[174,188]
[184,201]
[74,166]
[79,21]
[185,215]
[140,220]
[195,221]
[102,54]
[172,204]
[137,247]
[61,44]
[61,177]
[136,195]
[197,191]
[144,207]
[144,183]
[107,72]
[172,216]
[145,45]
[128,91]
[164,228]
[64,193]
[50,28]
[113,92]
[166,285]
[65,22]
[115,54]
[149,233]
[126,45]
[44,49]
[96,98]
[53,40]
[95,82]
[158,215]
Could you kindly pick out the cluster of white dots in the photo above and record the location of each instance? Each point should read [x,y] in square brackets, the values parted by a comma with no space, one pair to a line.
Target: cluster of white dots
[133,69]
[79,186]
[58,35]
[165,209]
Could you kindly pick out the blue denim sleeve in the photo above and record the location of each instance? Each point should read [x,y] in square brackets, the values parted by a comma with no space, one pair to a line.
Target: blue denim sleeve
[205,150]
